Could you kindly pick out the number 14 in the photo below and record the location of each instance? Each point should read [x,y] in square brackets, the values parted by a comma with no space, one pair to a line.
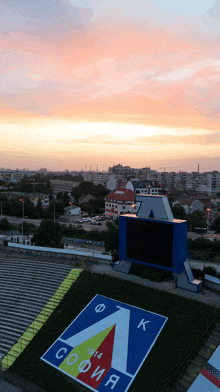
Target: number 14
[91,352]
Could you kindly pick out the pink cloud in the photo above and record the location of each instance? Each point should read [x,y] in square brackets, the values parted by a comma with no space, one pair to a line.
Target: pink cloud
[114,64]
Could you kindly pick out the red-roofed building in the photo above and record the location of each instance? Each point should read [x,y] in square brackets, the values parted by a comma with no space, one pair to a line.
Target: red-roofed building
[119,201]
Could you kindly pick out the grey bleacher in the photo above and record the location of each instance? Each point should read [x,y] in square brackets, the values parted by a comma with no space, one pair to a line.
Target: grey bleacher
[25,288]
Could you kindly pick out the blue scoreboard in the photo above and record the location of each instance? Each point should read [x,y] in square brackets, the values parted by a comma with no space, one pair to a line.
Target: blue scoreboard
[151,242]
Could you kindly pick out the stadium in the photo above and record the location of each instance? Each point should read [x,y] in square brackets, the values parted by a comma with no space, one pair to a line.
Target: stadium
[92,327]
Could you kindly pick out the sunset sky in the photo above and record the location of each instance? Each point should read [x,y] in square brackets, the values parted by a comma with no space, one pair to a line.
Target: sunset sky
[98,82]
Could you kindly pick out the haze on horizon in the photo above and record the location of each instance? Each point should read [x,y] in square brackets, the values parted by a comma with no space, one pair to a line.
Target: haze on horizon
[97,82]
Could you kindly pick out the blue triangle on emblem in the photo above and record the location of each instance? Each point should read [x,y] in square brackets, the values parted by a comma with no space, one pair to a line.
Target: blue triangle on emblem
[151,214]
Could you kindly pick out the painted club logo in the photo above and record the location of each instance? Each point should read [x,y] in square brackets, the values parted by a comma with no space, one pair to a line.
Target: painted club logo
[105,346]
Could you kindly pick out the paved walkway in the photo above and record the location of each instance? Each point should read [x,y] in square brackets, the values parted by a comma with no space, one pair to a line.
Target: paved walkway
[205,296]
[6,387]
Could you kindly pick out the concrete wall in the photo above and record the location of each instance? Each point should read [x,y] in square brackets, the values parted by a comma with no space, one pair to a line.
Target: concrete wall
[64,253]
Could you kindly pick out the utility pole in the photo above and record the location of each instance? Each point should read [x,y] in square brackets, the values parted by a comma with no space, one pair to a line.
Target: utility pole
[208,210]
[1,209]
[23,220]
[54,213]
[22,217]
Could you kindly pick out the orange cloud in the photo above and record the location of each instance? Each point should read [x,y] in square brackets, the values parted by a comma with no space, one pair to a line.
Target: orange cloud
[131,74]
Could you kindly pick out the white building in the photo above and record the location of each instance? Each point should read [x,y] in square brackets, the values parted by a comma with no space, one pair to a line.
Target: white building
[111,184]
[98,178]
[72,210]
[119,201]
[213,183]
[190,205]
[150,189]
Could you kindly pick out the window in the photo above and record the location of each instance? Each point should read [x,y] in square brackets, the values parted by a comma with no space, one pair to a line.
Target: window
[123,207]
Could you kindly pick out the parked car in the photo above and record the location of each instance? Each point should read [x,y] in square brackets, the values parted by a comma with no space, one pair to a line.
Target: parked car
[95,222]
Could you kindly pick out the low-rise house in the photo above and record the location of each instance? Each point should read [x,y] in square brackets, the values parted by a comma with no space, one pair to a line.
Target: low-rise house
[190,205]
[72,210]
[119,201]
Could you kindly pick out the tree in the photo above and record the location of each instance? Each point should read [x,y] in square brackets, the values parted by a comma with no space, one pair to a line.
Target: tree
[112,239]
[27,228]
[29,209]
[49,233]
[24,185]
[216,225]
[15,207]
[4,224]
[86,187]
[196,219]
[39,208]
[178,212]
[59,196]
[66,199]
[48,186]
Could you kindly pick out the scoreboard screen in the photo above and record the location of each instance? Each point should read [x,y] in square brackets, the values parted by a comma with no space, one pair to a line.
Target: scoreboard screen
[156,243]
[150,242]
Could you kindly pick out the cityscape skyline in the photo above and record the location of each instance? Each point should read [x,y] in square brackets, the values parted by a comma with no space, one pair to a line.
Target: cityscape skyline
[87,82]
[90,168]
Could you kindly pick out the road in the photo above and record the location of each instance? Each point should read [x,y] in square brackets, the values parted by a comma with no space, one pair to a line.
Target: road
[18,221]
[209,235]
[37,222]
[88,227]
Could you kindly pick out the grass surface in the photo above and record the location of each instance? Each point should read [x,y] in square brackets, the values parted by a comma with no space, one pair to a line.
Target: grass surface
[189,325]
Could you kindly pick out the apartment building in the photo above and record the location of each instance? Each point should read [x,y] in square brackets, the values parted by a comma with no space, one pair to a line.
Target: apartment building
[144,187]
[98,178]
[213,183]
[63,186]
[13,176]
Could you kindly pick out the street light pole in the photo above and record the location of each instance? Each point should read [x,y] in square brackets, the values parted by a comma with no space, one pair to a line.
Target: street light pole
[1,209]
[22,225]
[54,214]
[208,209]
[23,220]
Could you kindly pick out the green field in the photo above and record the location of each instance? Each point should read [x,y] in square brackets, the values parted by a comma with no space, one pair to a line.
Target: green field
[189,325]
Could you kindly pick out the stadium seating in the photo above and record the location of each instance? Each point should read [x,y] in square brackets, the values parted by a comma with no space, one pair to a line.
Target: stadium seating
[25,289]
